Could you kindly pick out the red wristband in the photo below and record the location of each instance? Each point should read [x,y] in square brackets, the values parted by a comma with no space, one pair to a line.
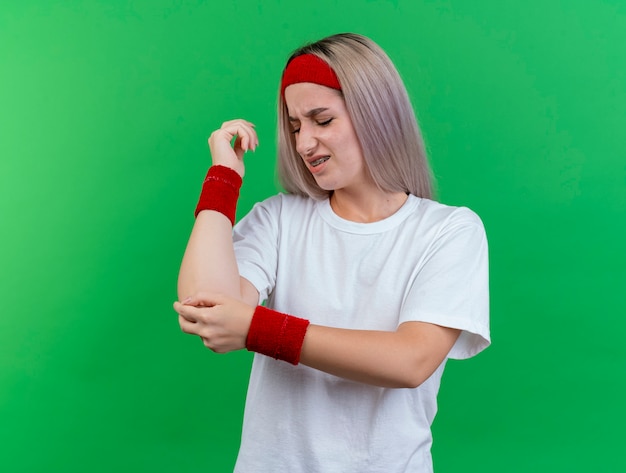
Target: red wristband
[277,335]
[220,191]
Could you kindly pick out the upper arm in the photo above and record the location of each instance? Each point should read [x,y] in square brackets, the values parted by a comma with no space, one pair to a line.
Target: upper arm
[249,293]
[256,244]
[452,287]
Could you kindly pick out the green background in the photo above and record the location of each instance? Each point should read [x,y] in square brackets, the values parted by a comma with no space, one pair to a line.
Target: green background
[105,108]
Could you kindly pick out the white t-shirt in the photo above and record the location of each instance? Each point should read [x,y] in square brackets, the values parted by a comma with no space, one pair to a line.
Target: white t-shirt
[427,262]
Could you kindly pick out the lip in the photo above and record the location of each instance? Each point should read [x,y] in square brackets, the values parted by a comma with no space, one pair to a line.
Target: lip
[319,168]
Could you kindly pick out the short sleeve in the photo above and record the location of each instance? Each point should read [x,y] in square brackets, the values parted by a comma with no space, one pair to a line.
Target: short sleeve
[451,288]
[255,239]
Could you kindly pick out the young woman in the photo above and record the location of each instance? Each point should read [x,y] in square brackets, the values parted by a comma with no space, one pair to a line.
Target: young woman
[369,285]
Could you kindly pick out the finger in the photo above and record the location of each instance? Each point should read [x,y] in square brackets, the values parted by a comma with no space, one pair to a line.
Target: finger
[244,139]
[189,312]
[238,147]
[254,138]
[186,326]
[228,131]
[205,299]
[239,125]
[237,121]
[243,129]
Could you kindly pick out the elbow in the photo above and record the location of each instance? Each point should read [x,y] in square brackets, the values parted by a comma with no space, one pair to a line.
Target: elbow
[424,351]
[415,373]
[401,381]
[411,381]
[187,289]
[196,287]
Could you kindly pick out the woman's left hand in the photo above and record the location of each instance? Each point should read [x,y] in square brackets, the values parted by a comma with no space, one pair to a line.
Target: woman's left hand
[222,322]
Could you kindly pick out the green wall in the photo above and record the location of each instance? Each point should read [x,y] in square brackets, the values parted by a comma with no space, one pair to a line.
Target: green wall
[105,108]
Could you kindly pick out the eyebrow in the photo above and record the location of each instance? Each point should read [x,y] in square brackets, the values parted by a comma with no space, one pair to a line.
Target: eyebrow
[310,113]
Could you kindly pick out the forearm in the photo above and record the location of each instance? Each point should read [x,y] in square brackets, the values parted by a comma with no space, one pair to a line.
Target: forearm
[404,358]
[209,263]
[401,359]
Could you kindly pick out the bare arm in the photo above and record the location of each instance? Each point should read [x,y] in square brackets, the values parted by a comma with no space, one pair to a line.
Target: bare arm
[401,359]
[209,262]
[404,358]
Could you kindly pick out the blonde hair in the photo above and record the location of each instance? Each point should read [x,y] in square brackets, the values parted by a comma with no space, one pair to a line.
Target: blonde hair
[381,113]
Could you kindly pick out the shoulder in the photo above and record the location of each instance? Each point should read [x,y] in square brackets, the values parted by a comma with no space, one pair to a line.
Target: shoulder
[279,207]
[439,223]
[438,214]
[280,203]
[281,200]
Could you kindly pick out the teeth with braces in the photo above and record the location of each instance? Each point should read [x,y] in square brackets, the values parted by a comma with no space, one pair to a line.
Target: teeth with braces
[317,162]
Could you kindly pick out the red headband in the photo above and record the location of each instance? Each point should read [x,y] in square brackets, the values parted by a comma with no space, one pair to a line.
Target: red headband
[309,68]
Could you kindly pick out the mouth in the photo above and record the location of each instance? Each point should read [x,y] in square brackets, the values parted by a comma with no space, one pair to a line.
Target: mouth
[316,162]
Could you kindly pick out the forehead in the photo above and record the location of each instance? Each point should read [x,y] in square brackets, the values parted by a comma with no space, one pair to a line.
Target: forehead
[303,97]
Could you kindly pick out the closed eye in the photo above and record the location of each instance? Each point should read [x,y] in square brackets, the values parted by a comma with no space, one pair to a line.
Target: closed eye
[293,131]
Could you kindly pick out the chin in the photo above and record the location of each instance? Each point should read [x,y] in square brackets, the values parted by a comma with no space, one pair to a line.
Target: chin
[325,186]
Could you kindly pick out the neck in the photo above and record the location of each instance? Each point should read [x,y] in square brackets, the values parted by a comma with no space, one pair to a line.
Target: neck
[366,207]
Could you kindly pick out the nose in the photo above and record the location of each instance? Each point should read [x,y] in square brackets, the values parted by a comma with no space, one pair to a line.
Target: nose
[305,141]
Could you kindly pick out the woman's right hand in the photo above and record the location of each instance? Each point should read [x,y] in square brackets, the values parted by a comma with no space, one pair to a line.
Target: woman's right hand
[227,153]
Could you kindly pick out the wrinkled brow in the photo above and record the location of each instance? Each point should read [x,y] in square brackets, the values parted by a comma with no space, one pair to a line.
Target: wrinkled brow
[310,113]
